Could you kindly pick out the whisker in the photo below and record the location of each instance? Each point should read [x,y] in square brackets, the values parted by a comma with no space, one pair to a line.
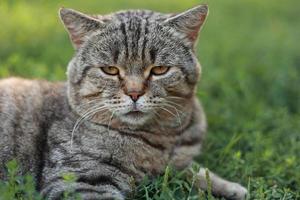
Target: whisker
[108,126]
[175,104]
[178,116]
[91,111]
[165,109]
[157,121]
[175,97]
[177,110]
[83,117]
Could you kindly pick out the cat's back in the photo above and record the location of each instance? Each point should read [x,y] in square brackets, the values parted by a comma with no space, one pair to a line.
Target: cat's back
[20,100]
[19,95]
[25,107]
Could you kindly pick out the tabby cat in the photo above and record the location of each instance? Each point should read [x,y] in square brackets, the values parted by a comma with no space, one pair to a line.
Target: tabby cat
[127,110]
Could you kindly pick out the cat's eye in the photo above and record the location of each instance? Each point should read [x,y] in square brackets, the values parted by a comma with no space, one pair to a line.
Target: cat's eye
[159,70]
[110,70]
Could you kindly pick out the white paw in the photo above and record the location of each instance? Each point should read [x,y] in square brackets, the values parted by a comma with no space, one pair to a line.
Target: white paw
[235,191]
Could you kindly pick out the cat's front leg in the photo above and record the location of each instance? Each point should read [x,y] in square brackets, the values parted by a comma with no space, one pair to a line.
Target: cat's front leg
[85,191]
[220,187]
[86,179]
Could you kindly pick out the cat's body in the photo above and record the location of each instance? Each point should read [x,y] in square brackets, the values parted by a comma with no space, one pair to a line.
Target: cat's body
[27,110]
[40,140]
[121,115]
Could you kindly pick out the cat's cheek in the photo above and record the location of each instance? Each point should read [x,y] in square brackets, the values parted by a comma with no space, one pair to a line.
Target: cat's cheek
[88,89]
[171,80]
[156,89]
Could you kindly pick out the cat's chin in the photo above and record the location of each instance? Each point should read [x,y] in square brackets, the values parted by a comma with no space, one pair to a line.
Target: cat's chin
[135,118]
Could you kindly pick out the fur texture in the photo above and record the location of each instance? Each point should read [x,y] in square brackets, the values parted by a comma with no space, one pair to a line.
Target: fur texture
[109,128]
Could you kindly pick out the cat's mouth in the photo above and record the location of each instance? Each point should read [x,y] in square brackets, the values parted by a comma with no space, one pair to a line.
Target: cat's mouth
[135,117]
[134,113]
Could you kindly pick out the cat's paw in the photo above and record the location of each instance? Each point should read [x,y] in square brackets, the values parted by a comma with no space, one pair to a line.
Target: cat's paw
[236,192]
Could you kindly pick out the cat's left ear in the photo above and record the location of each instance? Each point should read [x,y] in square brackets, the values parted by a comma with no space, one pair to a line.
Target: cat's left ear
[79,25]
[189,22]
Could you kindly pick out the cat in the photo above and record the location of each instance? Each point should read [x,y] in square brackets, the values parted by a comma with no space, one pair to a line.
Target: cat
[127,110]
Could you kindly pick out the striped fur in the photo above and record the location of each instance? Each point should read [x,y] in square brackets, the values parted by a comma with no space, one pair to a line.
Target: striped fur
[87,126]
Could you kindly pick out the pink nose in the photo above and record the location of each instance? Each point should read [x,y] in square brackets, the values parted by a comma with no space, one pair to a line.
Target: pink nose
[135,95]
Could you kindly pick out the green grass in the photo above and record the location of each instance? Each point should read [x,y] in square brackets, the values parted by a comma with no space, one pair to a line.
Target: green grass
[250,87]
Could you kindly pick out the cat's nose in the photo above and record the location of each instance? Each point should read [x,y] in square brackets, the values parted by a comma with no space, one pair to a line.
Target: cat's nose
[135,95]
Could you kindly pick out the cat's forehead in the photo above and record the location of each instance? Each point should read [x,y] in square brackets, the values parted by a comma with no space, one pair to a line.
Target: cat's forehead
[147,15]
[131,36]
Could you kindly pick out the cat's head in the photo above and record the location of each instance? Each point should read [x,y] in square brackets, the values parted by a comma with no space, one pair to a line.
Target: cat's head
[135,66]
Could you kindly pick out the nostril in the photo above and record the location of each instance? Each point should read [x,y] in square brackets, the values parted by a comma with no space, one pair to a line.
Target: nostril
[135,95]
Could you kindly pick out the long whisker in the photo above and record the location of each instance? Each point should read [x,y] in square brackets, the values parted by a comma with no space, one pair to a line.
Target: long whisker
[165,109]
[91,111]
[175,104]
[157,121]
[175,97]
[81,119]
[111,117]
[178,116]
[172,106]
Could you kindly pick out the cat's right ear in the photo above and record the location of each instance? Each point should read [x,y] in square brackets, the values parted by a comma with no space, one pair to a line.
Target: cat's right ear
[189,22]
[78,25]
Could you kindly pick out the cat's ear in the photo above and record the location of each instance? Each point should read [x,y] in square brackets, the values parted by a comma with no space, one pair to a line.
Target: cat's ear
[189,22]
[78,25]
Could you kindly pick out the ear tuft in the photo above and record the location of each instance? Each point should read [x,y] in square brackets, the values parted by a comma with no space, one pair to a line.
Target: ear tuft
[189,22]
[78,25]
[62,11]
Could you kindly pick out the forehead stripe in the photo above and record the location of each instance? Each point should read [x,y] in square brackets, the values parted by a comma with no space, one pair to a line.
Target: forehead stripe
[123,29]
[145,40]
[142,39]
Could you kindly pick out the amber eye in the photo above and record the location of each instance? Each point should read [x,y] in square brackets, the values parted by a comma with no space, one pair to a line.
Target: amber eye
[159,70]
[110,70]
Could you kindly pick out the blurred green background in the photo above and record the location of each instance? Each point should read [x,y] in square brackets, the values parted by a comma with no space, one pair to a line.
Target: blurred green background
[250,86]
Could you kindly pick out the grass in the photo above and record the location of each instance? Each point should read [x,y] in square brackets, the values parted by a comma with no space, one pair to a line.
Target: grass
[249,52]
